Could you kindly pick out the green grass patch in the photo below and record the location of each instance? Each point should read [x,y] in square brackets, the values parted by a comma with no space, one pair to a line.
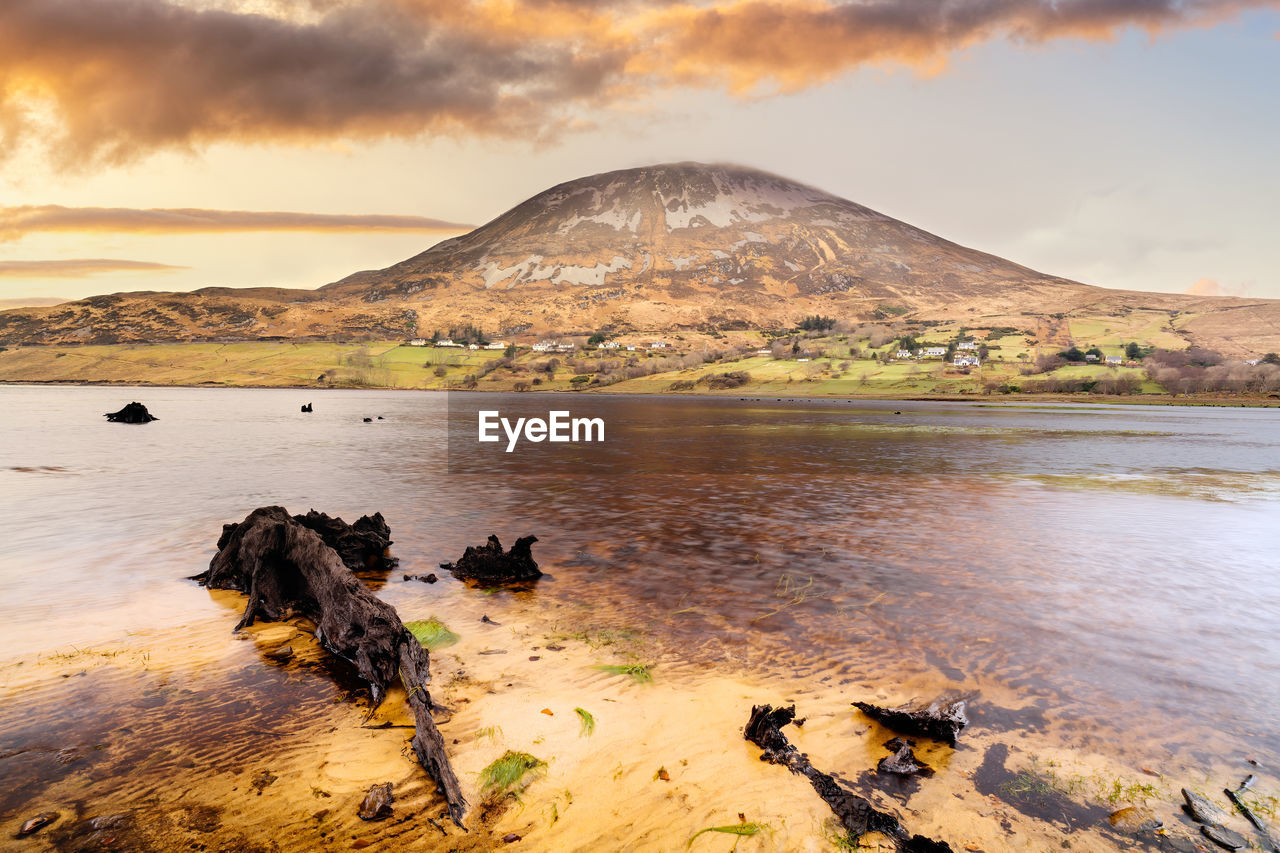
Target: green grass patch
[638,672]
[432,633]
[588,722]
[507,773]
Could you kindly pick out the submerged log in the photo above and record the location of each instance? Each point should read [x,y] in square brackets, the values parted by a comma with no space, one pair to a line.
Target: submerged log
[942,719]
[856,814]
[488,563]
[134,413]
[285,567]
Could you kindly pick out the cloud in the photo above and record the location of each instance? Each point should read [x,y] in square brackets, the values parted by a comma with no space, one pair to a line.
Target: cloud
[79,268]
[16,222]
[1211,287]
[111,80]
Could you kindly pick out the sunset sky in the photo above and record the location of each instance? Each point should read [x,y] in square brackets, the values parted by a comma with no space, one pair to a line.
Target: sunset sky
[175,144]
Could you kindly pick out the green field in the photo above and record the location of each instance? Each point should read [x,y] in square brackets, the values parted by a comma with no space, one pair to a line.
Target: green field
[829,370]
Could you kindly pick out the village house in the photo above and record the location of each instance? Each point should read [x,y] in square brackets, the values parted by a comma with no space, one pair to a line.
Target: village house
[904,353]
[608,345]
[566,346]
[631,347]
[968,345]
[1090,356]
[447,342]
[967,361]
[764,352]
[658,345]
[544,346]
[1114,359]
[417,342]
[933,352]
[496,345]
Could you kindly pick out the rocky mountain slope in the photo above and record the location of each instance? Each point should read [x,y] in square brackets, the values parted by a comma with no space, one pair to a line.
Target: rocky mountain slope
[676,246]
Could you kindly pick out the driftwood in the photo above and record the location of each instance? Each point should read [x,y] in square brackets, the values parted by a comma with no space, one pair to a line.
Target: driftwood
[856,814]
[903,761]
[488,563]
[942,719]
[285,567]
[362,546]
[1264,829]
[134,413]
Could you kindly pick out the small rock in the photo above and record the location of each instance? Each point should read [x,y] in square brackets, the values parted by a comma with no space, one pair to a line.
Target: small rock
[1224,837]
[662,774]
[37,823]
[548,712]
[368,420]
[262,779]
[281,653]
[535,657]
[376,804]
[510,838]
[554,648]
[485,619]
[494,652]
[1135,819]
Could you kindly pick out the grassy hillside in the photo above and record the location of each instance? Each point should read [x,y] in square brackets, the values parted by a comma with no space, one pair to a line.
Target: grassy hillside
[860,362]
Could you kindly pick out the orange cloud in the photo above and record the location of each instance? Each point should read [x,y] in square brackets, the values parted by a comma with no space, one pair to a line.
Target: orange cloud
[15,222]
[79,268]
[1210,287]
[111,80]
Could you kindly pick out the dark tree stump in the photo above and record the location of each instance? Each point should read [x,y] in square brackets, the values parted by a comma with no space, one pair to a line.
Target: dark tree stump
[856,814]
[285,567]
[134,413]
[942,719]
[362,546]
[488,563]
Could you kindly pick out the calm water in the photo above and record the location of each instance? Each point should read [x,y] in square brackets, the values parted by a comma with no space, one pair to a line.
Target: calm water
[1118,565]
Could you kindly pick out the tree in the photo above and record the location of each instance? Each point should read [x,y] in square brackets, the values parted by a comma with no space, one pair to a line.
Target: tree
[1072,354]
[597,338]
[510,351]
[817,323]
[1132,351]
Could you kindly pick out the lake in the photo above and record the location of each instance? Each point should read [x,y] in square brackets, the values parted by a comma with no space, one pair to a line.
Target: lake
[1104,581]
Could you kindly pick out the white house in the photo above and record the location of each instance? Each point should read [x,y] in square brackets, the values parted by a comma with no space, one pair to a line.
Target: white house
[496,345]
[544,346]
[608,345]
[933,352]
[566,346]
[903,353]
[631,347]
[1114,359]
[764,352]
[658,345]
[473,346]
[1090,357]
[970,345]
[447,342]
[418,342]
[967,361]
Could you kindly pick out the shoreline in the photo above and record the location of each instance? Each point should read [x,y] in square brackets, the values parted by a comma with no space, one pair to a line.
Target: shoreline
[1209,401]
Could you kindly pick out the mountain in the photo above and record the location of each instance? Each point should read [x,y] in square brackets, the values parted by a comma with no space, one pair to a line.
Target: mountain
[676,246]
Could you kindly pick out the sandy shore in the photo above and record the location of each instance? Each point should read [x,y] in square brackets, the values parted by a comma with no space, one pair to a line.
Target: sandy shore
[200,740]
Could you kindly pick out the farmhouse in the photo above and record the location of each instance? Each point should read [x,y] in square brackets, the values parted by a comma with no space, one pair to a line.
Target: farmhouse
[1113,359]
[496,345]
[933,352]
[417,342]
[544,346]
[447,342]
[658,345]
[968,345]
[967,361]
[904,353]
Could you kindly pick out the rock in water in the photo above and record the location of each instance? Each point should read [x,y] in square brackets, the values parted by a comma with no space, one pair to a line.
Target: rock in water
[37,823]
[1224,837]
[488,563]
[1202,810]
[376,804]
[1134,819]
[134,413]
[942,719]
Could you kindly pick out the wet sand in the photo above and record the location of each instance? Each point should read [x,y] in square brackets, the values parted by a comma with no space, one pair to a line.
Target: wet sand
[202,741]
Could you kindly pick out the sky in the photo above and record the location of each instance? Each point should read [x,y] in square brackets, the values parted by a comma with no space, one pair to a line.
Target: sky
[177,144]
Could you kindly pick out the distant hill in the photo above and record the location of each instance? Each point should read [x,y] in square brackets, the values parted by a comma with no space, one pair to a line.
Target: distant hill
[31,302]
[676,246]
